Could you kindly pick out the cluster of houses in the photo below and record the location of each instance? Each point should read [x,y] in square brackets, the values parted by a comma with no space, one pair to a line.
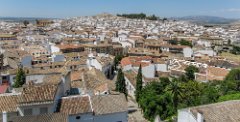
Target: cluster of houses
[69,65]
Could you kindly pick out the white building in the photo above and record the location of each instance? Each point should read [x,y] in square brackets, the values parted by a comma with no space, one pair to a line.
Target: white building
[216,112]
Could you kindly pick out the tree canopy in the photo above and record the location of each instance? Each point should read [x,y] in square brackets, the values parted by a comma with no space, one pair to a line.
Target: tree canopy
[190,72]
[20,78]
[25,22]
[185,42]
[235,50]
[120,83]
[139,83]
[166,96]
[139,16]
[234,96]
[117,60]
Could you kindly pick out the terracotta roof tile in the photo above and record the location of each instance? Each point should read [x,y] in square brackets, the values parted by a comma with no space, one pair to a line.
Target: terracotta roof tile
[75,105]
[38,94]
[215,73]
[8,102]
[105,104]
[52,117]
[125,61]
[219,112]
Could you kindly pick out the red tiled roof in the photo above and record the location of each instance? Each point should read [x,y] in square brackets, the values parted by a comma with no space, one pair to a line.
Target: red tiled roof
[3,88]
[143,64]
[136,61]
[215,73]
[68,46]
[125,61]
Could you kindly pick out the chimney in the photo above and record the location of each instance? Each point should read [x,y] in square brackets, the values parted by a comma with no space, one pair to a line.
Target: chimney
[200,117]
[4,116]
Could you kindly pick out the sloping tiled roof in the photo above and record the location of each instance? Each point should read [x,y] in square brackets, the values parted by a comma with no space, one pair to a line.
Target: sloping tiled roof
[95,78]
[38,94]
[32,71]
[215,73]
[228,111]
[52,79]
[136,60]
[106,104]
[126,61]
[75,105]
[77,75]
[90,79]
[131,76]
[53,117]
[8,103]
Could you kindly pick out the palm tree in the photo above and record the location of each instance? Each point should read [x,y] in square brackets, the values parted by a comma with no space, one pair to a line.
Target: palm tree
[176,90]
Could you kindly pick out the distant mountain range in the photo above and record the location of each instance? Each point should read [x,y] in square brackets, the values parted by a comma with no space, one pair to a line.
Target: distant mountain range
[207,19]
[20,19]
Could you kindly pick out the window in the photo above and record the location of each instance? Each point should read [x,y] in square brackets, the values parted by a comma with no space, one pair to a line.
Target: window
[78,117]
[43,110]
[4,77]
[28,111]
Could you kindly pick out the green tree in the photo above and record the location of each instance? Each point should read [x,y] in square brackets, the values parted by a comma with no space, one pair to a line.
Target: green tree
[25,22]
[234,96]
[164,19]
[210,93]
[185,42]
[117,60]
[139,83]
[176,90]
[192,93]
[164,81]
[120,83]
[173,42]
[235,50]
[154,101]
[229,42]
[152,17]
[190,72]
[231,82]
[20,78]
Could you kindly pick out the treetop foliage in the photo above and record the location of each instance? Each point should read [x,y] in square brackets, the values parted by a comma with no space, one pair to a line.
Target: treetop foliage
[166,96]
[139,16]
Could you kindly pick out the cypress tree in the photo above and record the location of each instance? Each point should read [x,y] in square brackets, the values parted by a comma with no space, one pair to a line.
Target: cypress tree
[20,78]
[120,83]
[139,83]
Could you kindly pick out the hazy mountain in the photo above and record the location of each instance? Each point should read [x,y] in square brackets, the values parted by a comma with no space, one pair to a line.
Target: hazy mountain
[207,19]
[20,19]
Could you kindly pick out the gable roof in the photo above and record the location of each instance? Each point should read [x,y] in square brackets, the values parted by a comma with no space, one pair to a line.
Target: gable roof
[131,76]
[219,112]
[107,104]
[95,78]
[37,94]
[52,117]
[8,102]
[75,105]
[215,73]
[54,79]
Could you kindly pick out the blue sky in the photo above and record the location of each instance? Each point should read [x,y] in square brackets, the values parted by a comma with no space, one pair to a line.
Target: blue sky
[162,8]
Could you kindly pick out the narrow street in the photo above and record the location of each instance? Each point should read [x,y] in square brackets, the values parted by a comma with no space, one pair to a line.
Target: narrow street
[134,113]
